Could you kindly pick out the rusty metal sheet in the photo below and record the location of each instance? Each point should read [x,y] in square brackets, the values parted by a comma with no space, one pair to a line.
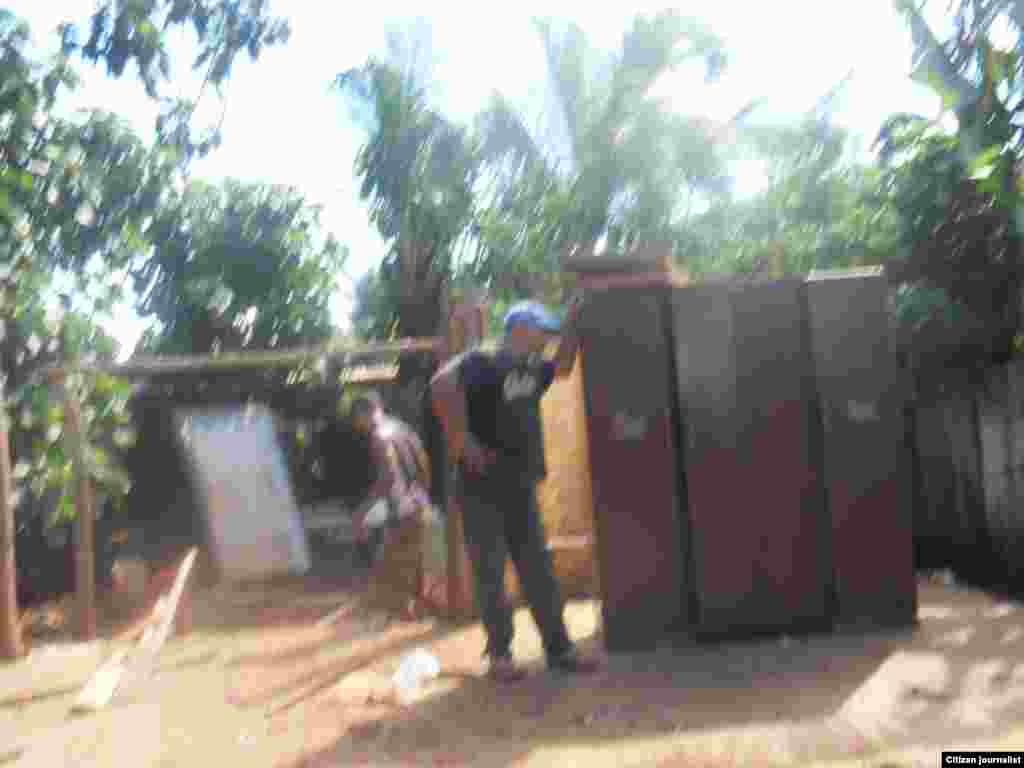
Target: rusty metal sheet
[760,554]
[636,474]
[866,459]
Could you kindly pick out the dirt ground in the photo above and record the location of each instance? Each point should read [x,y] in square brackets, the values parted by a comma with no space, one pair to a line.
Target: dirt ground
[297,674]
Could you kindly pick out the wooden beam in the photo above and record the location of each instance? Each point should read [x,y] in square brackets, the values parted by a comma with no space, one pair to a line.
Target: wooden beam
[125,669]
[154,365]
[655,256]
[466,327]
[153,639]
[11,644]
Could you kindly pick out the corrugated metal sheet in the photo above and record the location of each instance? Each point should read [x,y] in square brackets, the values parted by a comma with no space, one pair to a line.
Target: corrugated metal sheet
[746,386]
[1001,417]
[865,454]
[949,510]
[641,536]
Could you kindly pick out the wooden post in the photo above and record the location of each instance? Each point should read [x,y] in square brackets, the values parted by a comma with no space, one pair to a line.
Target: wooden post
[85,519]
[465,328]
[11,645]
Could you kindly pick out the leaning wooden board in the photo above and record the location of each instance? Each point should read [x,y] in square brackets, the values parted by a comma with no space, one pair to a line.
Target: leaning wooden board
[120,674]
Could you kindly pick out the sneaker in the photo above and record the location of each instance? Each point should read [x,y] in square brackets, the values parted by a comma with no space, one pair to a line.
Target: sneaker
[503,669]
[571,663]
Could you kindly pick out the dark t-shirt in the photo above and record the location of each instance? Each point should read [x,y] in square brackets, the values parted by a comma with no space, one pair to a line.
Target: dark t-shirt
[503,393]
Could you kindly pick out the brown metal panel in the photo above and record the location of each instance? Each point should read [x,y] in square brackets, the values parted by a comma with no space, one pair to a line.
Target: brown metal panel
[784,494]
[866,459]
[746,385]
[634,464]
[722,558]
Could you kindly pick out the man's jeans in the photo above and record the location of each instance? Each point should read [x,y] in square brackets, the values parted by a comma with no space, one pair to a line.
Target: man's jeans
[501,520]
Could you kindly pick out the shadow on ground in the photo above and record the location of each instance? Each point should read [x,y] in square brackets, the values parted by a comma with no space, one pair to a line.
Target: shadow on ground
[313,677]
[958,676]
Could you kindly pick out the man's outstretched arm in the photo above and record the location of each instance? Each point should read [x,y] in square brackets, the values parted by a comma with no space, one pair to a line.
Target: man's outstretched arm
[568,346]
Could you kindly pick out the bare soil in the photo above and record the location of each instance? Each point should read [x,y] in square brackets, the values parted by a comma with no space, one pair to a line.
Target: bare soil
[297,673]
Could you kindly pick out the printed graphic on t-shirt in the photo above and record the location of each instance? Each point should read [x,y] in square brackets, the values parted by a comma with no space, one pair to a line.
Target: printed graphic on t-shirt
[519,384]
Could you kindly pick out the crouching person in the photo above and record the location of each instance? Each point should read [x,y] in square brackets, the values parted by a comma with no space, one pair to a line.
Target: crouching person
[400,487]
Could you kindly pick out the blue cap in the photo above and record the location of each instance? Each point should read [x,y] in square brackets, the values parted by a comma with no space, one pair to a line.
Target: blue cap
[533,314]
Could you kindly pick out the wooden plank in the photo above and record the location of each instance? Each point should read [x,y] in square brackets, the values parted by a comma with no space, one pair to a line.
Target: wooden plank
[466,328]
[141,665]
[99,689]
[125,668]
[655,256]
[101,686]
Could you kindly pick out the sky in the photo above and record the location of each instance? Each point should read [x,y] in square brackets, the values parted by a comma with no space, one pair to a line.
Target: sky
[284,126]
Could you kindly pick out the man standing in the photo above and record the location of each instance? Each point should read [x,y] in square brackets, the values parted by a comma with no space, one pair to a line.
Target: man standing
[489,406]
[402,483]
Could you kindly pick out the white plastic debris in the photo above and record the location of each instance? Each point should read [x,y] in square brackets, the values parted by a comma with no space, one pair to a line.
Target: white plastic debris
[415,669]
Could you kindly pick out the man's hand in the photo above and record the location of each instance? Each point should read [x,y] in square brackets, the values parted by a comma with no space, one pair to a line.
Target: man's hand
[565,357]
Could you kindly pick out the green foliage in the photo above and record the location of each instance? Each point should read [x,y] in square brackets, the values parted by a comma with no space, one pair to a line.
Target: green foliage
[135,32]
[239,265]
[959,195]
[513,199]
[54,176]
[957,239]
[630,162]
[375,315]
[80,194]
[819,211]
[418,174]
[36,412]
[524,231]
[628,171]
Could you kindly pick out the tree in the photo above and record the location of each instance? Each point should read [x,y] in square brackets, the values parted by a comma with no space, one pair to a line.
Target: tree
[55,174]
[418,173]
[624,171]
[820,209]
[627,168]
[122,33]
[240,265]
[959,193]
[960,267]
[28,91]
[375,312]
